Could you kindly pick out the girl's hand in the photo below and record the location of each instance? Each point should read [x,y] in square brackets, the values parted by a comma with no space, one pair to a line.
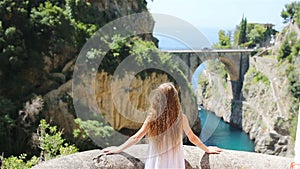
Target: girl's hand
[214,150]
[112,150]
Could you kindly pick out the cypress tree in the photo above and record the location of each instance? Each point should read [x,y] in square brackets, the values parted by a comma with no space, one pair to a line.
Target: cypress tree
[243,31]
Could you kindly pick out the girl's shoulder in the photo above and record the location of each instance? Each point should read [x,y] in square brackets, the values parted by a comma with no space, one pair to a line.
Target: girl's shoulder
[184,117]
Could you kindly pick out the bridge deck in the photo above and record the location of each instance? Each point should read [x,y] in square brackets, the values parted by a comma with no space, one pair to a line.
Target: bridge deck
[210,51]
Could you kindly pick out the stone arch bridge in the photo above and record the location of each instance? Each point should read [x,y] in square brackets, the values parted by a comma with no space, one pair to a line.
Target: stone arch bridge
[236,62]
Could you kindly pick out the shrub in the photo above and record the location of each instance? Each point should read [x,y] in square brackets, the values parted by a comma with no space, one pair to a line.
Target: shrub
[257,77]
[50,142]
[13,162]
[294,83]
[284,51]
[92,127]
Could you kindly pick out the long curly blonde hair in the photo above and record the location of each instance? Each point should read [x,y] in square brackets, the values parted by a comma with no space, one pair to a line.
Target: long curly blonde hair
[165,118]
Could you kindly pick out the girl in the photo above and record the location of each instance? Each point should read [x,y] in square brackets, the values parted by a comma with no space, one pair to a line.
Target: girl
[164,126]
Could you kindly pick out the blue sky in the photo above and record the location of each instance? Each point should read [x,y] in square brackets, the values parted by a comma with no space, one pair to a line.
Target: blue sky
[212,15]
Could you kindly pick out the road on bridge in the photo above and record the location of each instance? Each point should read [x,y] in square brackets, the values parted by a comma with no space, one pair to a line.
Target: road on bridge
[211,51]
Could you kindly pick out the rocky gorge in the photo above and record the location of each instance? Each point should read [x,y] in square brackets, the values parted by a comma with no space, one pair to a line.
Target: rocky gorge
[264,112]
[267,105]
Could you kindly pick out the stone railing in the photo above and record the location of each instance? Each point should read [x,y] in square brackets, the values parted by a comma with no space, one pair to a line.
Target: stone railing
[195,158]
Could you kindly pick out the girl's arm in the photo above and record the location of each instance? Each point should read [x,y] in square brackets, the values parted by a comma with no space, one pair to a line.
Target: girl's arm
[195,140]
[131,141]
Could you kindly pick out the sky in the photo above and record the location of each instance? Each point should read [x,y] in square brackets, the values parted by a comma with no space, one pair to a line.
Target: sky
[212,15]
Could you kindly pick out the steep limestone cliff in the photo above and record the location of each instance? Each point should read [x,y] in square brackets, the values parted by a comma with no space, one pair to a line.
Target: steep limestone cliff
[123,115]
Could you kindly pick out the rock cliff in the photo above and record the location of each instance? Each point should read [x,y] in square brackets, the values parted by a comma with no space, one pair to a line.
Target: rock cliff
[266,102]
[59,104]
[134,158]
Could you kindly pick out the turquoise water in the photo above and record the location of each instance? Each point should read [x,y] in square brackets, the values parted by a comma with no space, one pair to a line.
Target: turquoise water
[215,132]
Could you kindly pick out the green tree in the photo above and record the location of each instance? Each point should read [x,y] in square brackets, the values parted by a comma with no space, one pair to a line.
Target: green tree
[7,123]
[14,13]
[224,40]
[257,35]
[290,11]
[236,35]
[53,27]
[243,32]
[85,19]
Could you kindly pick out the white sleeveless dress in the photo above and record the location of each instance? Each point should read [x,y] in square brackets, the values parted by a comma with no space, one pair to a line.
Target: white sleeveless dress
[171,159]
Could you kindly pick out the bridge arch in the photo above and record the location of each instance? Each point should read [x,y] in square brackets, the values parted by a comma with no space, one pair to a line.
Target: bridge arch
[231,69]
[229,66]
[236,62]
[225,65]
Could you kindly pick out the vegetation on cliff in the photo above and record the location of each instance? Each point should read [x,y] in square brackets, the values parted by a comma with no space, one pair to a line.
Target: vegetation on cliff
[289,60]
[39,43]
[37,38]
[257,77]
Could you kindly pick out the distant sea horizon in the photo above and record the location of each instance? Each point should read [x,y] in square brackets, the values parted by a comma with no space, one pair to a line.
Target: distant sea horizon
[167,43]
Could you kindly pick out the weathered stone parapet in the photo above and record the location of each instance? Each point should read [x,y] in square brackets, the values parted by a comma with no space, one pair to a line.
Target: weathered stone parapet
[134,158]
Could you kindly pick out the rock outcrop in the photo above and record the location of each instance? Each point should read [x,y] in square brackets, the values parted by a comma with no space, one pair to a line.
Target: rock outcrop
[134,158]
[57,109]
[291,27]
[268,103]
[124,118]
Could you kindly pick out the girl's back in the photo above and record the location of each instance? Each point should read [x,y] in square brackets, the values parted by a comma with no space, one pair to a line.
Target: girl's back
[171,158]
[165,129]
